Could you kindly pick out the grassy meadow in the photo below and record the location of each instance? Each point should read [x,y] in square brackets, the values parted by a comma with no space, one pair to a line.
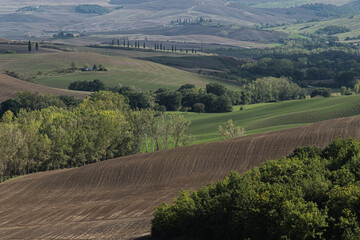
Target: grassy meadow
[47,69]
[266,117]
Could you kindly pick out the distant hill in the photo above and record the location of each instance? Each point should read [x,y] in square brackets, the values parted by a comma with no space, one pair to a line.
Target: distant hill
[115,199]
[288,3]
[126,14]
[9,86]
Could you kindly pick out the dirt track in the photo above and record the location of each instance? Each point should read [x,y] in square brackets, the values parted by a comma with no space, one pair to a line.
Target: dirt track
[9,86]
[114,199]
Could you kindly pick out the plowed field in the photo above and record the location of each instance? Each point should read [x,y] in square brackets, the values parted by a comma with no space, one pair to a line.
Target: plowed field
[9,86]
[115,199]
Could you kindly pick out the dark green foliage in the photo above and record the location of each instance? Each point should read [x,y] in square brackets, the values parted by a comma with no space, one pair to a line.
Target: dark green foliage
[91,86]
[29,46]
[346,78]
[216,89]
[171,100]
[312,194]
[33,101]
[186,86]
[332,30]
[88,8]
[304,61]
[63,35]
[138,99]
[321,92]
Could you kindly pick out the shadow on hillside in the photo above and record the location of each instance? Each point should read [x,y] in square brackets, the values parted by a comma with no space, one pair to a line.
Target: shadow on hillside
[147,237]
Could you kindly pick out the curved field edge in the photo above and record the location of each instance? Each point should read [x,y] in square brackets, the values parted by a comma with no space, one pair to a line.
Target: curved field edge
[116,198]
[266,117]
[9,86]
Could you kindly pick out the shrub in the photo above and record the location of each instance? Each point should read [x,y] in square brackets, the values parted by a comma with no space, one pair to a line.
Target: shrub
[321,92]
[199,107]
[312,194]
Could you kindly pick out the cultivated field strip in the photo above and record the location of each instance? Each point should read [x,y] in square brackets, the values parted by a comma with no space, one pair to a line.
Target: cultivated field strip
[9,86]
[115,199]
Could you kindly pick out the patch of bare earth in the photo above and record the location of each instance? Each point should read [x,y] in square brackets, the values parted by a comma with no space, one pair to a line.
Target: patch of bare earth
[9,86]
[115,199]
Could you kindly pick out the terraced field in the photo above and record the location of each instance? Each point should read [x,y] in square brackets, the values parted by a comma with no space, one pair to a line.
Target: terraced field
[9,86]
[115,199]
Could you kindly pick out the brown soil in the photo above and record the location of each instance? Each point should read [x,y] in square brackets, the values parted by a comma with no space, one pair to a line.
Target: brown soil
[115,199]
[9,86]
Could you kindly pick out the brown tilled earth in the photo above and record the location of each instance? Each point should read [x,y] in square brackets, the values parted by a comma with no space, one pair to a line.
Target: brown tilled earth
[9,86]
[115,199]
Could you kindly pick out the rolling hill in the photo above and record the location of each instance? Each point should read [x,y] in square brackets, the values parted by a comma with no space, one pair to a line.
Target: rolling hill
[55,16]
[51,70]
[312,27]
[115,199]
[9,86]
[265,117]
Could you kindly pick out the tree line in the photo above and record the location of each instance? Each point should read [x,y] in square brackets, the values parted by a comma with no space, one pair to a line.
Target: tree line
[304,61]
[126,43]
[39,133]
[214,98]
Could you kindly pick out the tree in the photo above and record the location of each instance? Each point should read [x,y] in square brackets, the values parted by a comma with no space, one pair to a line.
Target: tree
[230,131]
[357,86]
[37,46]
[178,127]
[345,78]
[29,46]
[199,107]
[216,89]
[322,92]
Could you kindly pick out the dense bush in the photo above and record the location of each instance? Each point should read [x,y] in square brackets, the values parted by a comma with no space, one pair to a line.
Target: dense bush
[332,30]
[271,90]
[321,92]
[88,8]
[91,86]
[312,194]
[33,101]
[100,128]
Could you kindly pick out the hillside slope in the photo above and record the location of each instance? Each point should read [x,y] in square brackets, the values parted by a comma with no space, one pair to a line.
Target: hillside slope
[121,70]
[9,86]
[115,198]
[54,15]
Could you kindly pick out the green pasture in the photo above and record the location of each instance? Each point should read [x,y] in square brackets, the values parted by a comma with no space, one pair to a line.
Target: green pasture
[259,118]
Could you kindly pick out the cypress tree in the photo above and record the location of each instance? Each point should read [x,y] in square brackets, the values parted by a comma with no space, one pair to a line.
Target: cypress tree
[29,47]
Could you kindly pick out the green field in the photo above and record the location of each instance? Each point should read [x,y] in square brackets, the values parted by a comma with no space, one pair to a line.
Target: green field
[312,27]
[121,70]
[268,117]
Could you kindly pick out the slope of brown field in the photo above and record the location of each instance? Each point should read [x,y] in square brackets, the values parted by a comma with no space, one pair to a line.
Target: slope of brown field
[9,86]
[115,199]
